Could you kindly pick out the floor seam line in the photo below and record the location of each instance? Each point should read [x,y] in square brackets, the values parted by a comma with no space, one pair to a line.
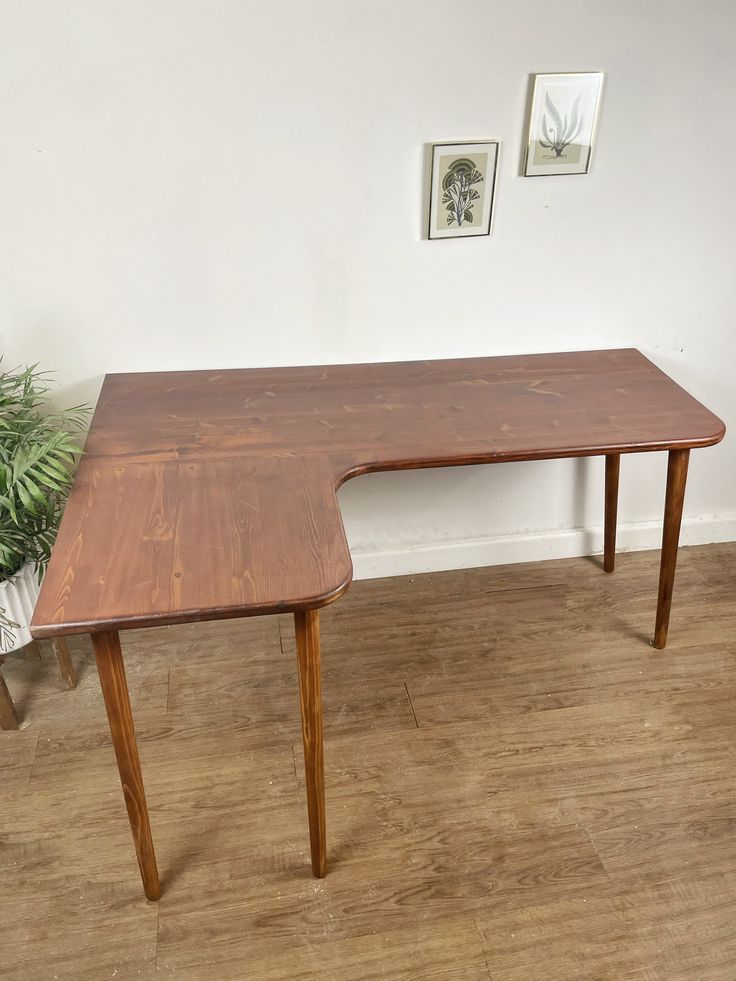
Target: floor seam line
[411,705]
[33,762]
[296,775]
[595,848]
[482,947]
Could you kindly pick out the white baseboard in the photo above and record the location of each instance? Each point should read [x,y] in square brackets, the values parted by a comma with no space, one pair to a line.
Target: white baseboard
[507,549]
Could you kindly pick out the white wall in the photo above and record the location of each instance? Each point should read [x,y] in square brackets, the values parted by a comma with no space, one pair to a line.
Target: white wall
[198,183]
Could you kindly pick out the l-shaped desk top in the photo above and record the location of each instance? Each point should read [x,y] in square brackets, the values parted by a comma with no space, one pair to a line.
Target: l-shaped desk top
[212,494]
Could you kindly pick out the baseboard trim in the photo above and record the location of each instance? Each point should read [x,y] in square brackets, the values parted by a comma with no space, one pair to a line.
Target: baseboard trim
[509,549]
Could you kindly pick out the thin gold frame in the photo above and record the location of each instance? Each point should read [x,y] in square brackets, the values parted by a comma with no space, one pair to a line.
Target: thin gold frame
[533,81]
[432,147]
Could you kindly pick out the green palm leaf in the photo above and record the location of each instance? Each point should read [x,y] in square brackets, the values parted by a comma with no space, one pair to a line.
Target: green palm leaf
[39,449]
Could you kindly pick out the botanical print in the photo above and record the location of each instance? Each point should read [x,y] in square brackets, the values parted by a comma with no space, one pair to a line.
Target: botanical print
[461,199]
[462,186]
[561,123]
[560,133]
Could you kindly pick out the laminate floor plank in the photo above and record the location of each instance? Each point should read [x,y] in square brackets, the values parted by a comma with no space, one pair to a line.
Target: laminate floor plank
[561,675]
[85,931]
[454,953]
[590,937]
[445,872]
[685,928]
[519,788]
[667,848]
[17,753]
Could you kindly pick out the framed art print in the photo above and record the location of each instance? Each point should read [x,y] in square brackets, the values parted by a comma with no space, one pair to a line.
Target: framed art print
[462,188]
[562,119]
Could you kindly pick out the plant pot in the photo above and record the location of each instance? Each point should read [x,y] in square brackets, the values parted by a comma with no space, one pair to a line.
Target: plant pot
[18,598]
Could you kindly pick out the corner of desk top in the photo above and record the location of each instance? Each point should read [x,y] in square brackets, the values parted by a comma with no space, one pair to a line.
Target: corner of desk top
[720,433]
[47,631]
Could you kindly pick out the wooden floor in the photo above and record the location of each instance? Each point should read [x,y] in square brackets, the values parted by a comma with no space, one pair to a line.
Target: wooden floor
[518,788]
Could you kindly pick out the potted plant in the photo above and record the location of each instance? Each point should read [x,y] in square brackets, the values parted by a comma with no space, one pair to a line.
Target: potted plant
[38,453]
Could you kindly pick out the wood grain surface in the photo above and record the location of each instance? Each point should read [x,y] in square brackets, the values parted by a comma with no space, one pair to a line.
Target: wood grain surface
[212,494]
[8,715]
[66,665]
[306,626]
[674,496]
[114,686]
[518,789]
[613,469]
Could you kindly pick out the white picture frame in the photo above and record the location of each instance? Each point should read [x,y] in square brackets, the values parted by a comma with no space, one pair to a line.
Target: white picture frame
[562,119]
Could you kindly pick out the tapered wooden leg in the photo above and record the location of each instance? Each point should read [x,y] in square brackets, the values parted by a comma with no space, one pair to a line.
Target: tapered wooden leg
[8,718]
[66,665]
[117,702]
[675,495]
[33,650]
[613,461]
[307,649]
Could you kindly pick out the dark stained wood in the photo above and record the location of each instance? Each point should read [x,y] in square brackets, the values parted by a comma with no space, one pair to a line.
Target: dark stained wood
[674,499]
[211,494]
[613,466]
[111,670]
[33,650]
[8,715]
[66,665]
[306,626]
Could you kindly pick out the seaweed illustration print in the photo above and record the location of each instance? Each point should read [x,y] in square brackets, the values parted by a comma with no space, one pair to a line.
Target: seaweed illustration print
[562,131]
[459,194]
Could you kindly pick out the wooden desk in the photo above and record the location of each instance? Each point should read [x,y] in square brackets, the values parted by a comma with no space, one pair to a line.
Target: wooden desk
[212,494]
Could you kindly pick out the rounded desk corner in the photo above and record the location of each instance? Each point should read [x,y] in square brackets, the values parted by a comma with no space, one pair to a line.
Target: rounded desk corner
[721,432]
[712,439]
[330,595]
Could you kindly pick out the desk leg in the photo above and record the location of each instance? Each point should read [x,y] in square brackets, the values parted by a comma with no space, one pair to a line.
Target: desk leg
[66,665]
[8,717]
[117,702]
[307,650]
[674,497]
[613,461]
